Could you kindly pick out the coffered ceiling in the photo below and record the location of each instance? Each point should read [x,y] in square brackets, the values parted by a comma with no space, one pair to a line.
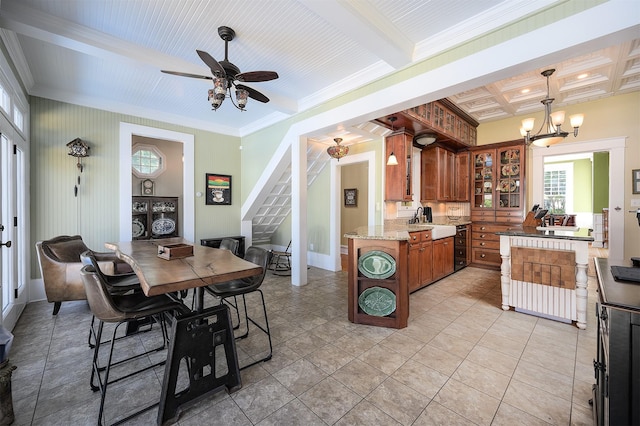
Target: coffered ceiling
[605,72]
[108,55]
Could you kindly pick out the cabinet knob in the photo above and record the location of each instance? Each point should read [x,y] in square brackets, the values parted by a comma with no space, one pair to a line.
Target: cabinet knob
[482,228]
[482,243]
[482,236]
[482,255]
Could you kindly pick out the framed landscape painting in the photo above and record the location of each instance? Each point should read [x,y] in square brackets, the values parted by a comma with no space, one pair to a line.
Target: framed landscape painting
[218,190]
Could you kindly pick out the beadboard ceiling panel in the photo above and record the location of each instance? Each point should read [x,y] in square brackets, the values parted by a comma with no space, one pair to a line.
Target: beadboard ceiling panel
[108,55]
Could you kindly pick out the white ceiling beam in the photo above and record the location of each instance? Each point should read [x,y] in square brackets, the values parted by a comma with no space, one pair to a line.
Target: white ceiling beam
[371,30]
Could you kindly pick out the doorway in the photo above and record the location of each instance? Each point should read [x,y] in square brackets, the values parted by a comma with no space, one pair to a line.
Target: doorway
[337,201]
[615,147]
[127,133]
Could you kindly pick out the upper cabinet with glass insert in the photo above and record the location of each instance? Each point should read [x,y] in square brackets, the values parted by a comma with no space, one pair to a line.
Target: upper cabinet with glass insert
[498,182]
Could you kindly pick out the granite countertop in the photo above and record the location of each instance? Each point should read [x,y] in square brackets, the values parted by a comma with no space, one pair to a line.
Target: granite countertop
[581,234]
[399,231]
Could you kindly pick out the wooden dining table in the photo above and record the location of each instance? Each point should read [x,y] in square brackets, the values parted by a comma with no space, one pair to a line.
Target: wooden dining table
[194,337]
[207,266]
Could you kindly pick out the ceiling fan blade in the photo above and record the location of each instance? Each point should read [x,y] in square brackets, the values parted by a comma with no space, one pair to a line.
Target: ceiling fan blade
[184,74]
[253,93]
[256,76]
[213,65]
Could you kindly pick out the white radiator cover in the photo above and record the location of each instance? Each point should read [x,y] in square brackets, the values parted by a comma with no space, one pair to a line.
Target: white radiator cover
[544,299]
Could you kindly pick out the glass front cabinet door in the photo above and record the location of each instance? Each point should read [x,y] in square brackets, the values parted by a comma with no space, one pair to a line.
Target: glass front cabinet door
[483,186]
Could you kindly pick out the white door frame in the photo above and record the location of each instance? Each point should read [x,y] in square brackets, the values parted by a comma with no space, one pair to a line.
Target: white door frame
[336,198]
[616,148]
[127,131]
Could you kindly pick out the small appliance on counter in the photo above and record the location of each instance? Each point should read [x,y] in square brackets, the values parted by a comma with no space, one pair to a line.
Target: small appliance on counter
[427,212]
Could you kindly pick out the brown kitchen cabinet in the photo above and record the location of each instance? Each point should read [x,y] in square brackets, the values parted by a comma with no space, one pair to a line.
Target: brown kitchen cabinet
[443,257]
[420,260]
[445,175]
[437,170]
[461,171]
[497,197]
[398,178]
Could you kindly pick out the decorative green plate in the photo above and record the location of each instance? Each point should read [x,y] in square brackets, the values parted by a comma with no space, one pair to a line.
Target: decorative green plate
[377,264]
[377,301]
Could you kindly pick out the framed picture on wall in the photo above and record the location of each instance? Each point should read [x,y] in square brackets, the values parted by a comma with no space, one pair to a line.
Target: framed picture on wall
[351,197]
[218,189]
[635,181]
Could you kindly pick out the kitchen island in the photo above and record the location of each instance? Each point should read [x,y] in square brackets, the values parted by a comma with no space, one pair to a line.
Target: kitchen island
[381,269]
[544,272]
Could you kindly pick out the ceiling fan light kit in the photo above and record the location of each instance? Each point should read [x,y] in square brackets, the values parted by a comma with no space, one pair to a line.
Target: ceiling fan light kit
[550,132]
[226,76]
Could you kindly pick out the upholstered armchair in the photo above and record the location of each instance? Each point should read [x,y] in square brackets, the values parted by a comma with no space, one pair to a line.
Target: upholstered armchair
[60,267]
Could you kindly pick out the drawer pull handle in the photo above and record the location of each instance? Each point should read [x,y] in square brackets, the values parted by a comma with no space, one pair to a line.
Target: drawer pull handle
[482,255]
[482,236]
[482,228]
[482,243]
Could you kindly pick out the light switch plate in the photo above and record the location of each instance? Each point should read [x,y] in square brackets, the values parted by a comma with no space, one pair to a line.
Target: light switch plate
[635,202]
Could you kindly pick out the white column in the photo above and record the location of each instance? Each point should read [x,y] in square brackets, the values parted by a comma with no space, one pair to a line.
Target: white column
[505,270]
[582,259]
[299,212]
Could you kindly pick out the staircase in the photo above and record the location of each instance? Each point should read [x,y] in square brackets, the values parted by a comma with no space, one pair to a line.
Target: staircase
[276,194]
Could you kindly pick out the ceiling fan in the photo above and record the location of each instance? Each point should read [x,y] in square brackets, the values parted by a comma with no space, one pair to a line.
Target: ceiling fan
[226,75]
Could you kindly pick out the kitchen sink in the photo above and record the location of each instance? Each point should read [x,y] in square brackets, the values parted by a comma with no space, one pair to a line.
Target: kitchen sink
[442,231]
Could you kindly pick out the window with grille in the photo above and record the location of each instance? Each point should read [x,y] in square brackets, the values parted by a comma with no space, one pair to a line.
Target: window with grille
[557,187]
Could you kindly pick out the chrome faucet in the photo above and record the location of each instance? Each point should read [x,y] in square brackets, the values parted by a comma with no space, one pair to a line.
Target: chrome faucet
[419,212]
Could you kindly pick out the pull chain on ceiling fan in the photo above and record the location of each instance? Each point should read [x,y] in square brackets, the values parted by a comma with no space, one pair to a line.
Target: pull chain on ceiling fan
[226,76]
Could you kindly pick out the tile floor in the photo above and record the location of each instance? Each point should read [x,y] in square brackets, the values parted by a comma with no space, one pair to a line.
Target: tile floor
[461,361]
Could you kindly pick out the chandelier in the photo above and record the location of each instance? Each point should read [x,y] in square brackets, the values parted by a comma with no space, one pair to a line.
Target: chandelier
[550,132]
[337,151]
[222,89]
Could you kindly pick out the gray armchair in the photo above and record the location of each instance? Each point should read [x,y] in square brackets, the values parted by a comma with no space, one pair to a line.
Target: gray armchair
[60,266]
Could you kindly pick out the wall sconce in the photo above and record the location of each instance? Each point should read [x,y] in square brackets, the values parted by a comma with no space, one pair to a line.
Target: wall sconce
[79,149]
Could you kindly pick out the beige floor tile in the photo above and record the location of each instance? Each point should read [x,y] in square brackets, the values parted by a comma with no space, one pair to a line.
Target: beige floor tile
[299,376]
[330,400]
[366,413]
[360,377]
[442,361]
[492,359]
[354,344]
[294,413]
[421,378]
[482,378]
[509,415]
[453,359]
[261,399]
[452,344]
[398,401]
[329,358]
[438,415]
[402,344]
[468,402]
[385,360]
[544,379]
[538,403]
